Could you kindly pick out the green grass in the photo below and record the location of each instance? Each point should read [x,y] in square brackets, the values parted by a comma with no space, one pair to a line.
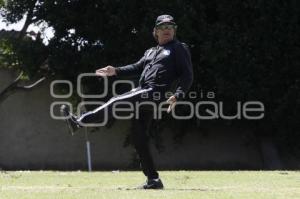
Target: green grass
[178,184]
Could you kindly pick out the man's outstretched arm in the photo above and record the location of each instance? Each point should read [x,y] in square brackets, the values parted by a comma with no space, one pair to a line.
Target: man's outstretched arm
[128,70]
[131,69]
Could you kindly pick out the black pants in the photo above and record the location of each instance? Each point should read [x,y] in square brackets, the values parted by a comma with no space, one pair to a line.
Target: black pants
[140,138]
[141,123]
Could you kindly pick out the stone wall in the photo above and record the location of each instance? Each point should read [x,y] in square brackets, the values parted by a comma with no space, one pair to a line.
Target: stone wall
[31,139]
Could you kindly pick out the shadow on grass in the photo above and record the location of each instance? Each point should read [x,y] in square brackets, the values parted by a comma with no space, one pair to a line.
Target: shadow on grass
[167,189]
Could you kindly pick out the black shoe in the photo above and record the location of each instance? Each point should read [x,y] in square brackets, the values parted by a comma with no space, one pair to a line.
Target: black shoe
[152,184]
[70,119]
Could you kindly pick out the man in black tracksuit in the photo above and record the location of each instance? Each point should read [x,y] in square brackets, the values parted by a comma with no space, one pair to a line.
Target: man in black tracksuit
[159,68]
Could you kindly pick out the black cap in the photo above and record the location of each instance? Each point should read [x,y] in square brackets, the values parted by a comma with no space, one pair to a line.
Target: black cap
[164,19]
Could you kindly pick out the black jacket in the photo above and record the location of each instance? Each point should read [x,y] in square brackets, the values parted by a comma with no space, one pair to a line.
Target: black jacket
[161,66]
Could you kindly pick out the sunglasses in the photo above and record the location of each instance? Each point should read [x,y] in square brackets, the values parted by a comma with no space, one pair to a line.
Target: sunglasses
[166,26]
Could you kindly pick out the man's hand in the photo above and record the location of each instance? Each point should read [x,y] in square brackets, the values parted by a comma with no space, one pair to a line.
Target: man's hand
[106,71]
[172,101]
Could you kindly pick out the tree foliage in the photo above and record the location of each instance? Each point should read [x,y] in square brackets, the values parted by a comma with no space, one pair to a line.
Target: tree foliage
[26,55]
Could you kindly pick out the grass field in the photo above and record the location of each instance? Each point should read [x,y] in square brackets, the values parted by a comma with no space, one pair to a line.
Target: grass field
[178,184]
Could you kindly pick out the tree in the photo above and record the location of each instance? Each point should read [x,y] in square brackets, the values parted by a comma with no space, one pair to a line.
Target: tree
[242,50]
